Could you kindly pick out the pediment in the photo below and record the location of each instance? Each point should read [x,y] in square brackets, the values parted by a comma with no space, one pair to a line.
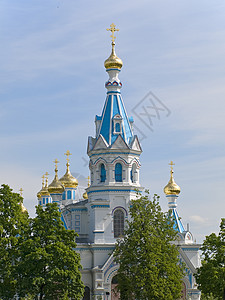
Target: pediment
[91,143]
[119,143]
[135,144]
[101,143]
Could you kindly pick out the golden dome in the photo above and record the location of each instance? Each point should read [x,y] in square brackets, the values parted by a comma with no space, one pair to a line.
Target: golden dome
[113,62]
[85,196]
[68,180]
[172,188]
[23,208]
[44,191]
[56,186]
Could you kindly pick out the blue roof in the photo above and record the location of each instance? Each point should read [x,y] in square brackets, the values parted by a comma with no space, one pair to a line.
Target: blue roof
[114,107]
[178,226]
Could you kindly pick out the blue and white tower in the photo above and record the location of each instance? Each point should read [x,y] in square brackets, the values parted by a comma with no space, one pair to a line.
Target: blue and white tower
[56,188]
[43,195]
[114,161]
[189,251]
[70,184]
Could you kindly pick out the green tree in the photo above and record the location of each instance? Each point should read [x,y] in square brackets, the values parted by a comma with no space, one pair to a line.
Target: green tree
[149,263]
[211,275]
[13,224]
[49,266]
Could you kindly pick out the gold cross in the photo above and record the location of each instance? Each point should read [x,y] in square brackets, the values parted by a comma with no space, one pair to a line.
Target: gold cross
[56,162]
[43,180]
[88,178]
[171,164]
[46,179]
[112,29]
[21,192]
[68,154]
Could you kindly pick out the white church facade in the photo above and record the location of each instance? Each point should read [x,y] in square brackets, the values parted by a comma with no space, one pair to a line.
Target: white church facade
[100,215]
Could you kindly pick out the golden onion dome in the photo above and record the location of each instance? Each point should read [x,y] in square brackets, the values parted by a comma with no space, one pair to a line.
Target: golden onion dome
[172,188]
[68,180]
[44,191]
[23,208]
[113,62]
[85,196]
[56,186]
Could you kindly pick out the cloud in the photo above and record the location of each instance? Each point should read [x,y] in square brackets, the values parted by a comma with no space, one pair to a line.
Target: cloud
[199,219]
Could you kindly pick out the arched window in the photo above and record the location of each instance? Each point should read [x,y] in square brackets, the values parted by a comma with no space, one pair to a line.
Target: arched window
[64,196]
[43,200]
[132,173]
[73,195]
[69,195]
[118,172]
[86,293]
[118,223]
[117,127]
[103,173]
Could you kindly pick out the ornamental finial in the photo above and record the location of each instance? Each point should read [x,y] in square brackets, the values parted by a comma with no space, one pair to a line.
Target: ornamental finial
[88,178]
[68,155]
[112,29]
[56,163]
[21,192]
[171,164]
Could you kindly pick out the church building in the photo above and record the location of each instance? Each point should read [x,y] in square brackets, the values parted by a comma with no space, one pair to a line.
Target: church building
[99,216]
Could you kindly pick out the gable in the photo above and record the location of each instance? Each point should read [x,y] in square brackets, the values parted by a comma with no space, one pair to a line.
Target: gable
[119,143]
[101,143]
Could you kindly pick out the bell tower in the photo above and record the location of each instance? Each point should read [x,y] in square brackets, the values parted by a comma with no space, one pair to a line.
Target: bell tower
[114,160]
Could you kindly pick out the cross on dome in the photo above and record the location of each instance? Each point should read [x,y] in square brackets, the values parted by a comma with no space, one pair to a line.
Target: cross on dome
[172,164]
[112,29]
[56,163]
[68,155]
[21,192]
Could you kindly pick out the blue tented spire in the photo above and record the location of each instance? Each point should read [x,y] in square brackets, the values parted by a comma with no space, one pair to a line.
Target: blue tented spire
[114,120]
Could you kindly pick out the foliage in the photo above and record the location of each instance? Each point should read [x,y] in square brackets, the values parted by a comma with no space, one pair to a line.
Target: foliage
[209,297]
[13,224]
[149,262]
[211,275]
[49,265]
[38,258]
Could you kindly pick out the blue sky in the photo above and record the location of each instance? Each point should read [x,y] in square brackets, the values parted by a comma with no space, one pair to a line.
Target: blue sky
[52,86]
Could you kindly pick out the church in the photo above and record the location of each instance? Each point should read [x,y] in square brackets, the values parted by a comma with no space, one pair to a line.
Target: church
[99,216]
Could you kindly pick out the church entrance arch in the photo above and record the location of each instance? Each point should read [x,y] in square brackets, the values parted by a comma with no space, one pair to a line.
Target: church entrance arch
[115,295]
[86,293]
[183,292]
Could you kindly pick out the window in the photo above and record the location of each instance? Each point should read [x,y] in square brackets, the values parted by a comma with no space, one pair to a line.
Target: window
[46,200]
[117,127]
[73,195]
[64,196]
[43,200]
[69,195]
[118,223]
[118,172]
[103,173]
[132,173]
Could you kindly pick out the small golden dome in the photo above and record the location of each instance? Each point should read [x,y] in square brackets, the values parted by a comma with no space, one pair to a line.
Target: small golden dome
[44,191]
[113,62]
[68,180]
[85,195]
[56,186]
[172,188]
[23,208]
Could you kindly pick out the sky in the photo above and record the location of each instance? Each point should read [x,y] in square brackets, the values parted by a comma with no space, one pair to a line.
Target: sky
[52,80]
